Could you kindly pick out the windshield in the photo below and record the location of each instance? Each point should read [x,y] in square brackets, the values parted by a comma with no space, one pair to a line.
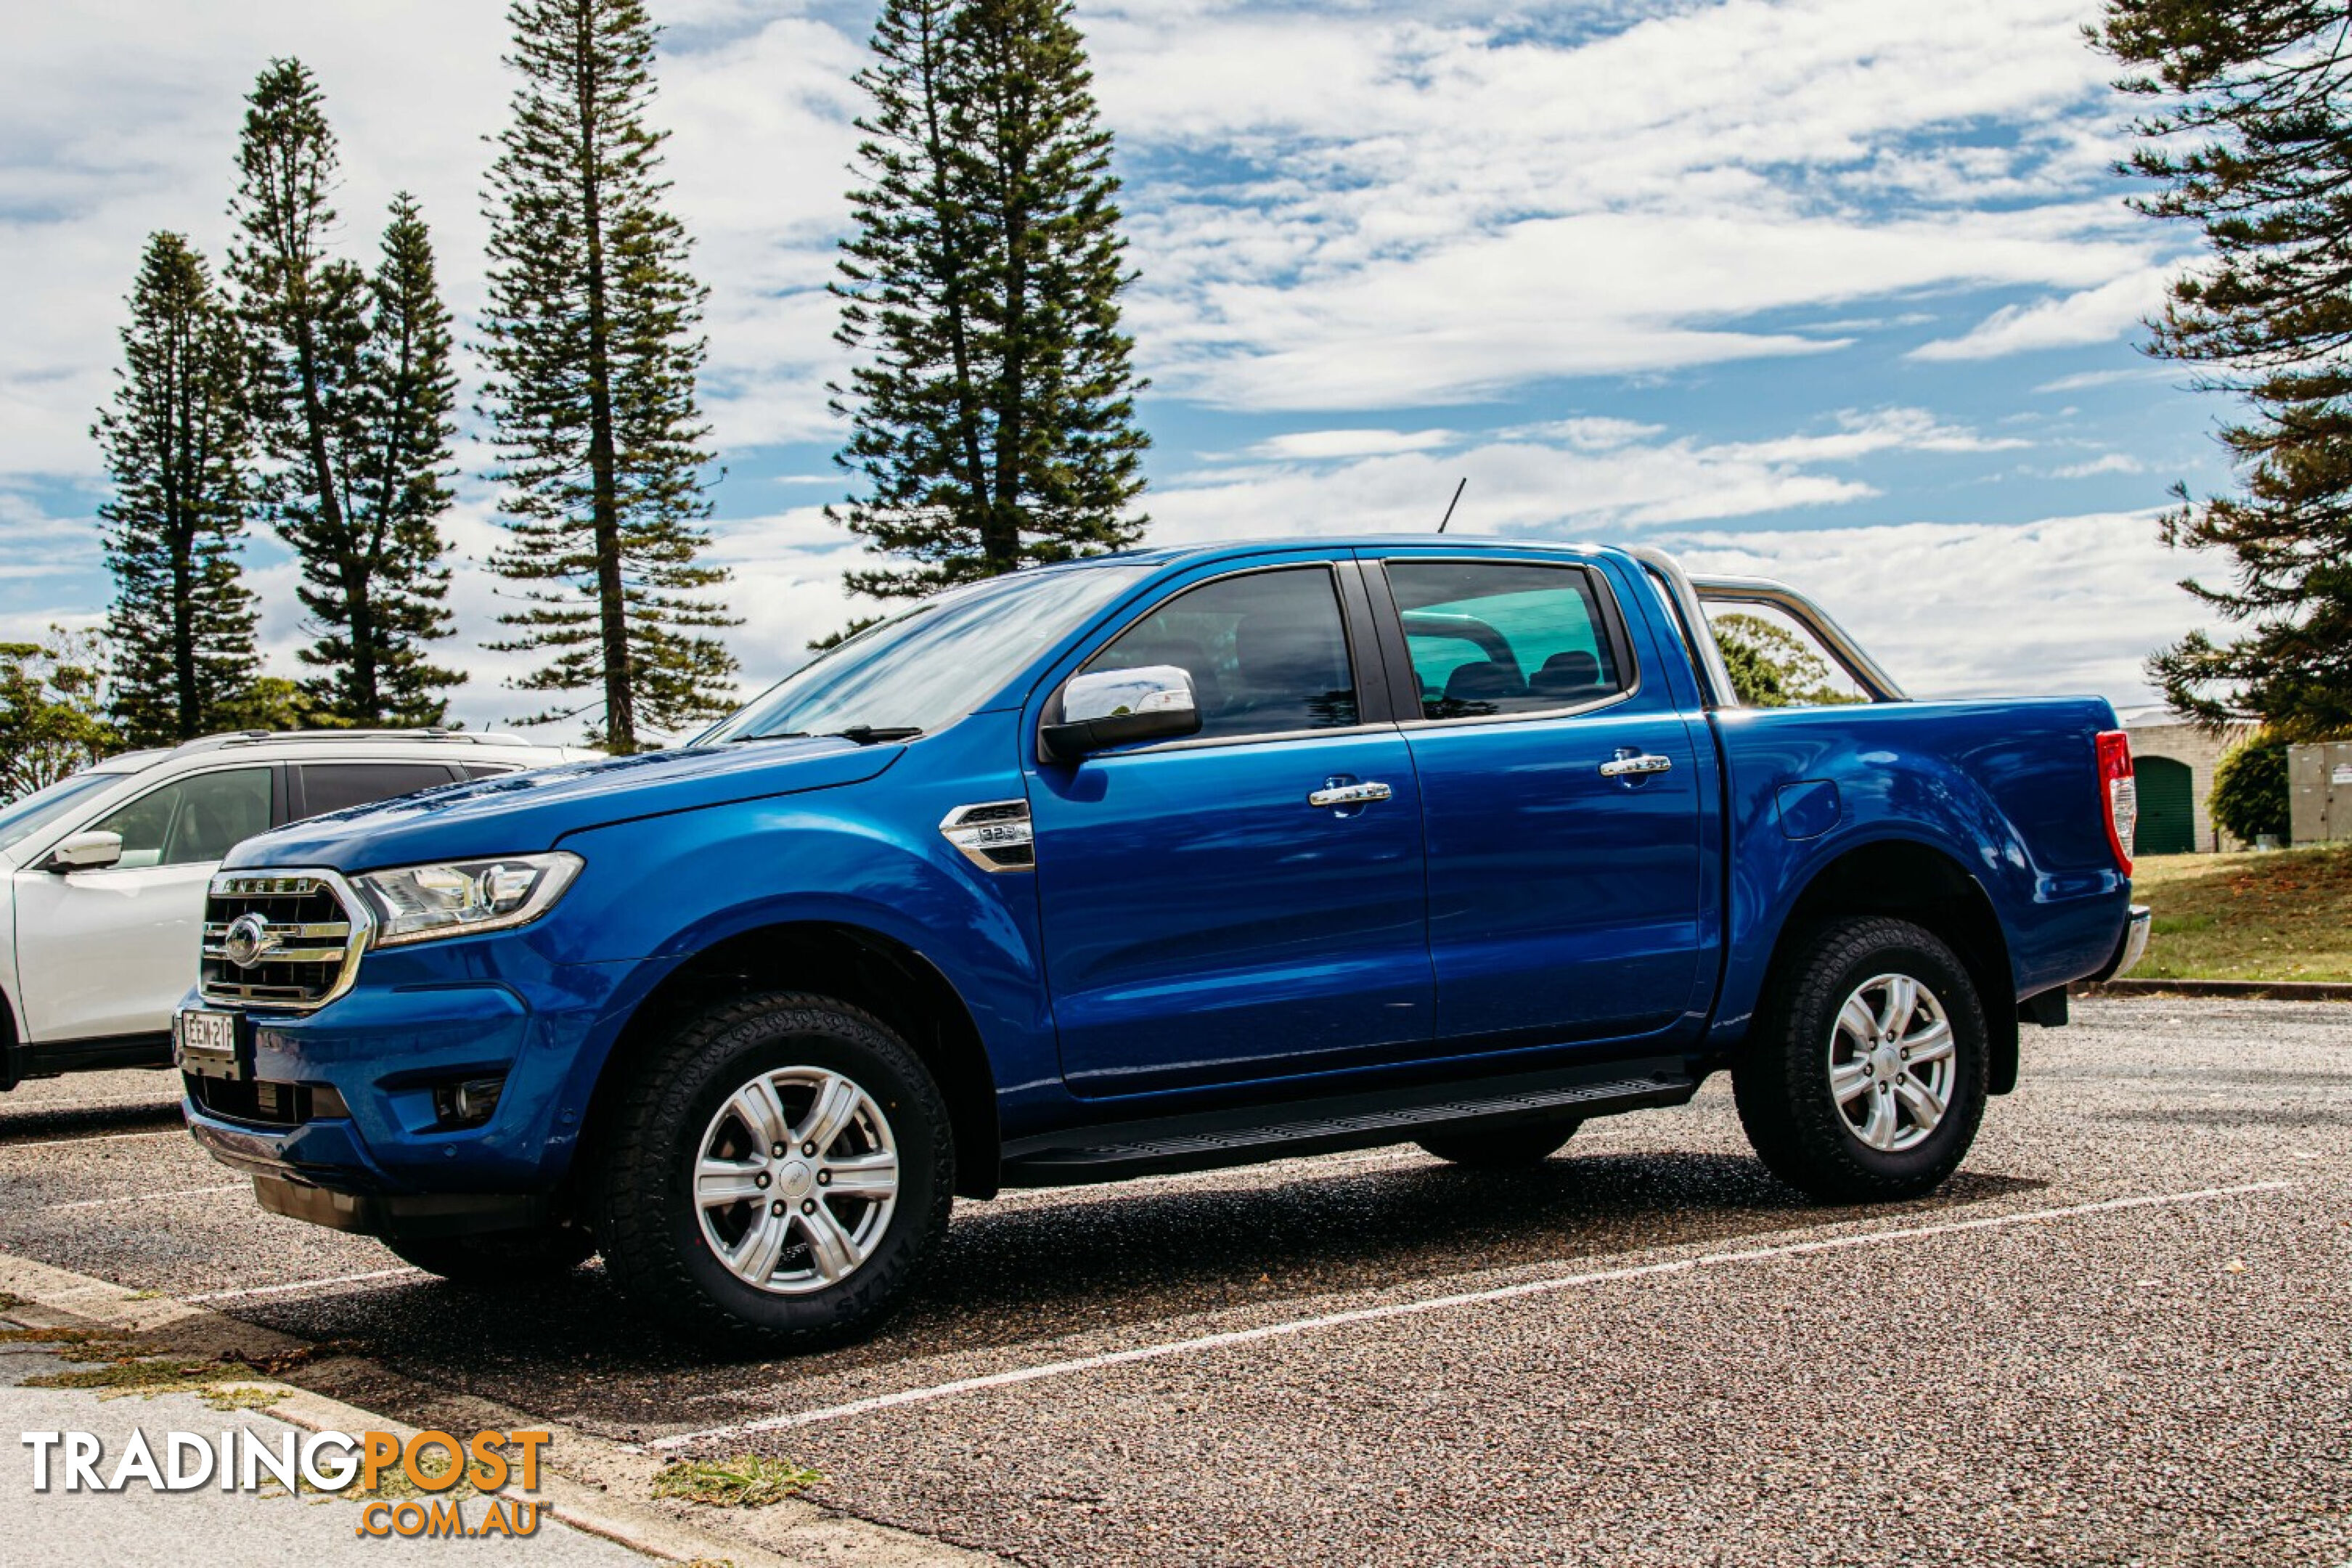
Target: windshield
[927,667]
[22,818]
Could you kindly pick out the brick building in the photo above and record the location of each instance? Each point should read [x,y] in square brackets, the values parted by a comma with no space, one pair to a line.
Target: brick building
[2174,762]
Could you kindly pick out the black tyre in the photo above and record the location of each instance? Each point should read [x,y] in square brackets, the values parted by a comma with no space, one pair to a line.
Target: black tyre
[777,1172]
[1503,1148]
[1865,1077]
[499,1260]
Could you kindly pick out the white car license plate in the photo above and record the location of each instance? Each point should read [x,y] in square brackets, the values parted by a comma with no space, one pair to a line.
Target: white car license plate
[206,1043]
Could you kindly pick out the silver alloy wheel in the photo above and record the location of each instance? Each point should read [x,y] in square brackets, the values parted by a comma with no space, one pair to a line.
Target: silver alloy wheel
[795,1179]
[1891,1062]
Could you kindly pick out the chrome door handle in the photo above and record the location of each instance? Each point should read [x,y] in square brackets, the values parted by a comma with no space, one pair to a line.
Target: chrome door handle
[1349,794]
[1623,767]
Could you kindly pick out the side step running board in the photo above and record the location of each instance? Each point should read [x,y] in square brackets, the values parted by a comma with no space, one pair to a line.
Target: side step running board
[1166,1145]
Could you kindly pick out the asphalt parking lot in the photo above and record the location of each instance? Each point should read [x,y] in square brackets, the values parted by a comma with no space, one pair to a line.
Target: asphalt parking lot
[2122,1335]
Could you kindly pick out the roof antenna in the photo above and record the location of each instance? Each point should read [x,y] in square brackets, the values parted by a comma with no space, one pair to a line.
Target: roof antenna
[1454,502]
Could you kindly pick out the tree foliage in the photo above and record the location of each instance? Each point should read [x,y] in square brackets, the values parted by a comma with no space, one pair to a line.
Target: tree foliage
[992,419]
[52,710]
[352,395]
[178,450]
[1771,666]
[2248,135]
[2250,794]
[593,346]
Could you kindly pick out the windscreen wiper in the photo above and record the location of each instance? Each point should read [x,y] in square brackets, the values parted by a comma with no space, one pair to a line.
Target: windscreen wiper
[858,734]
[875,735]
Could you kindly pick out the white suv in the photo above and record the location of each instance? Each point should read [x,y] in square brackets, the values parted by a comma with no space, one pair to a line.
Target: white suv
[106,872]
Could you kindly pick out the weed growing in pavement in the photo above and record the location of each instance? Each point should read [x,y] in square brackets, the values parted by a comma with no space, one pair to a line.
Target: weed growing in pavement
[115,1366]
[747,1480]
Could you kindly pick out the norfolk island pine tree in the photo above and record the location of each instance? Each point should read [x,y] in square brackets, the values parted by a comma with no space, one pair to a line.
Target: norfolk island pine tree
[592,340]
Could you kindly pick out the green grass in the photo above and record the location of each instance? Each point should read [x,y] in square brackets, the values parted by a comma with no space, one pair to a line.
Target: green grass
[2282,915]
[747,1480]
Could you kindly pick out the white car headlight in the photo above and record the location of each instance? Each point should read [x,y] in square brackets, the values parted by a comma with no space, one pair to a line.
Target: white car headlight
[463,897]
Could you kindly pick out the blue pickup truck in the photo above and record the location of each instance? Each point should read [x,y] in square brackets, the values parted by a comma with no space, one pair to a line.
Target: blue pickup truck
[1150,863]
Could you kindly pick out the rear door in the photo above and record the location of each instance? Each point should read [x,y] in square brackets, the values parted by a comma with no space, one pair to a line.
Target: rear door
[1205,920]
[1561,798]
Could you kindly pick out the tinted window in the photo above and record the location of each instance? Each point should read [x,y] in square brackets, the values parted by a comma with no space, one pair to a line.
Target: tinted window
[197,819]
[1267,652]
[1502,637]
[334,786]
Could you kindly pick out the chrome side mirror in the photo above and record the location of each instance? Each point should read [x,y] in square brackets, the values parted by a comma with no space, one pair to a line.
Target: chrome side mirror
[85,852]
[1101,709]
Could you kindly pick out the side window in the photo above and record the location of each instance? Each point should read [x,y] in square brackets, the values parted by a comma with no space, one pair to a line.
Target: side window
[1267,652]
[335,786]
[1502,637]
[194,820]
[1774,661]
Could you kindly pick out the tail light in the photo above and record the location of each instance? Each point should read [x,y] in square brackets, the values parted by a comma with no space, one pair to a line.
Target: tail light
[2121,794]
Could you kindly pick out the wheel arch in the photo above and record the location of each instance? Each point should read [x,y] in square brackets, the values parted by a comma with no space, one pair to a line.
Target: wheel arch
[851,963]
[8,1039]
[1917,881]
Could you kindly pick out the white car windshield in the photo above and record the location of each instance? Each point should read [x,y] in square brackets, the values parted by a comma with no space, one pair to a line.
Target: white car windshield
[20,819]
[928,666]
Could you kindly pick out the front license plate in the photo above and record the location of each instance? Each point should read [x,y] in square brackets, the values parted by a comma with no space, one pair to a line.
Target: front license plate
[204,1043]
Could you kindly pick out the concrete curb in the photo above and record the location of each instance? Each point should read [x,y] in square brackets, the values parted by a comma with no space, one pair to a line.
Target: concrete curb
[587,1481]
[2242,990]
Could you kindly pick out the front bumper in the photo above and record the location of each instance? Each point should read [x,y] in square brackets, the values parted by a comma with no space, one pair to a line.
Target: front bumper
[403,1215]
[2131,948]
[380,1159]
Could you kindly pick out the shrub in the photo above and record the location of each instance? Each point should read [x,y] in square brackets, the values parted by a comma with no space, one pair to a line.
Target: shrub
[2250,789]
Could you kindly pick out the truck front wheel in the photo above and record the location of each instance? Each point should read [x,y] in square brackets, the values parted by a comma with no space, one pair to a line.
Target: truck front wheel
[777,1172]
[1865,1078]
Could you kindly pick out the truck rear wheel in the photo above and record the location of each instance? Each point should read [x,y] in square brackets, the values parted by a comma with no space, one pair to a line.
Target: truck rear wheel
[778,1171]
[1865,1078]
[1502,1149]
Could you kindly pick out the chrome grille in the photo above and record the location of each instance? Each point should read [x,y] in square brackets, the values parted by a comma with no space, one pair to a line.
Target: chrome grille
[313,940]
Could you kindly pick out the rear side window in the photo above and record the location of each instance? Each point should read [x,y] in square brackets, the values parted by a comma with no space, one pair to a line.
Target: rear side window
[1267,652]
[1499,638]
[337,786]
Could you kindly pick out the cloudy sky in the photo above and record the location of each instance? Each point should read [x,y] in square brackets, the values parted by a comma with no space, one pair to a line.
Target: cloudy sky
[1838,290]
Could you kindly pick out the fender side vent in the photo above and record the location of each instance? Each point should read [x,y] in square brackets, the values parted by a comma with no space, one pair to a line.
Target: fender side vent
[994,835]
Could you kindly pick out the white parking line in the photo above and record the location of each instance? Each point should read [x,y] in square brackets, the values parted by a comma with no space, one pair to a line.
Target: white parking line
[293,1285]
[1435,1304]
[7,1148]
[136,1198]
[53,1106]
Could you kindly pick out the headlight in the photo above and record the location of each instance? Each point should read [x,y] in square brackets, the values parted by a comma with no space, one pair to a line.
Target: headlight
[460,898]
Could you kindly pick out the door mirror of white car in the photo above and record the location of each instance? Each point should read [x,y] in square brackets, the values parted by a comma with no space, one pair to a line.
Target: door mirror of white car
[1107,708]
[85,852]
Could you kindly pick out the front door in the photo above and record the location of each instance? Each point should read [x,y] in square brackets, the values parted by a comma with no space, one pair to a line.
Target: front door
[111,953]
[1561,793]
[1205,919]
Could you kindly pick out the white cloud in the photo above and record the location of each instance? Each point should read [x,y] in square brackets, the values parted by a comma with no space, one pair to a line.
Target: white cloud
[2106,463]
[1861,434]
[2092,316]
[1585,476]
[2065,605]
[1314,446]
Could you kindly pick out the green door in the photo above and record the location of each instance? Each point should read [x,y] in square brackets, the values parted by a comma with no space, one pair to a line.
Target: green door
[2168,823]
